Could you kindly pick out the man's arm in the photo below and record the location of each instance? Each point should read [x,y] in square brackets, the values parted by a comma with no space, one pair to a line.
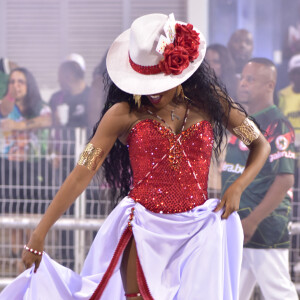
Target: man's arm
[273,197]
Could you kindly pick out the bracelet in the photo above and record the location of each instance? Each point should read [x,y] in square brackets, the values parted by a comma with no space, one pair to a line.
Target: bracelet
[33,251]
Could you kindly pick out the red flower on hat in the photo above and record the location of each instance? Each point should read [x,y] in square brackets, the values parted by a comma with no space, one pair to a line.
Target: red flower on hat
[176,59]
[184,49]
[187,38]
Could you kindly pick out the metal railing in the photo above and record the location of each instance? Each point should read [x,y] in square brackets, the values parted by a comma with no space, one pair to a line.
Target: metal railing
[30,176]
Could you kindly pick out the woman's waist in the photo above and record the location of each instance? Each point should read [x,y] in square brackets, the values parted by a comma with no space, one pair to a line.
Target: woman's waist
[168,200]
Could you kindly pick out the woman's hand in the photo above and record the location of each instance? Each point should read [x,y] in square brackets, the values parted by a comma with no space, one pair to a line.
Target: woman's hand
[12,92]
[8,101]
[230,200]
[29,258]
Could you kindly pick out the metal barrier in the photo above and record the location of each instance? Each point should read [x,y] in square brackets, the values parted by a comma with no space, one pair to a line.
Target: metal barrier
[28,186]
[32,168]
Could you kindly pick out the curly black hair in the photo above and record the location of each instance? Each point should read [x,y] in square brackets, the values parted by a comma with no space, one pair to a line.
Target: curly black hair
[205,91]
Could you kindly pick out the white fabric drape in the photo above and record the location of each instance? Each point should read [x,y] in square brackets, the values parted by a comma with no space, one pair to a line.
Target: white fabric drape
[192,255]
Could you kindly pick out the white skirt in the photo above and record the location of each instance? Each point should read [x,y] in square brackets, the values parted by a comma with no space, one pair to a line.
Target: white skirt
[192,255]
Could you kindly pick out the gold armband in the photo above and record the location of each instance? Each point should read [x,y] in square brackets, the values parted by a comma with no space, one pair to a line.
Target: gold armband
[90,157]
[247,131]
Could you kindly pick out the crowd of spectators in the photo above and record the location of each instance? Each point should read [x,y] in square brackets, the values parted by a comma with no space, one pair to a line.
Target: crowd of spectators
[36,140]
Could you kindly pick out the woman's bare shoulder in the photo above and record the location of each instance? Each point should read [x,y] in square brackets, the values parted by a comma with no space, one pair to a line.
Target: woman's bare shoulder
[118,118]
[119,109]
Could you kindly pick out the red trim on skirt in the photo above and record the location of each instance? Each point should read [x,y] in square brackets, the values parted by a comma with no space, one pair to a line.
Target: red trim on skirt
[125,238]
[142,283]
[144,289]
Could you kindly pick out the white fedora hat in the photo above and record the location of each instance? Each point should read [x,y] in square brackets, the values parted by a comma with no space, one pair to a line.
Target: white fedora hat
[138,62]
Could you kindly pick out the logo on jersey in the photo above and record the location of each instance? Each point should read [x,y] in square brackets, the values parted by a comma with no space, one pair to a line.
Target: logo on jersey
[280,154]
[282,143]
[232,168]
[79,110]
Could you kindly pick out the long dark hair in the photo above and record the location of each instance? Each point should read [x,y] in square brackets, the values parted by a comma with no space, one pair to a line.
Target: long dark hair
[227,76]
[33,101]
[207,93]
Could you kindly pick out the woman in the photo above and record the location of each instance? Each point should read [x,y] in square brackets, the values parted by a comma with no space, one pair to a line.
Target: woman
[164,240]
[219,59]
[22,111]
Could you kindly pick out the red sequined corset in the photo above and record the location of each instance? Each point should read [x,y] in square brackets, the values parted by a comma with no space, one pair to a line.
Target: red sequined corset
[170,172]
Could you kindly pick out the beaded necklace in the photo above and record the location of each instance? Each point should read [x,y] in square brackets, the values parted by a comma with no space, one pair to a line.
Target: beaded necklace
[167,125]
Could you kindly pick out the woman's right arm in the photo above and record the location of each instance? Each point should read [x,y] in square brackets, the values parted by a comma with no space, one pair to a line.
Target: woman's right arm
[114,123]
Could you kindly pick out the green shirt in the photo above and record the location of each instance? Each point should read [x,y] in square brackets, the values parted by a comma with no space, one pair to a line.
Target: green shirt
[3,84]
[272,232]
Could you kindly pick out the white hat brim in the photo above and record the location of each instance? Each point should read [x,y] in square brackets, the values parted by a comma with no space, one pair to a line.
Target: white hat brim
[132,82]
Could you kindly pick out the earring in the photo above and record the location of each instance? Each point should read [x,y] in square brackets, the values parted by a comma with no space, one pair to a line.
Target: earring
[137,100]
[179,92]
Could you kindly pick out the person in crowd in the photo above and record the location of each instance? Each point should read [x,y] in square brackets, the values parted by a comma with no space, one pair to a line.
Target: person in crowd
[97,96]
[265,204]
[220,60]
[289,97]
[69,104]
[23,164]
[240,46]
[163,112]
[290,32]
[70,110]
[6,66]
[291,38]
[289,104]
[22,112]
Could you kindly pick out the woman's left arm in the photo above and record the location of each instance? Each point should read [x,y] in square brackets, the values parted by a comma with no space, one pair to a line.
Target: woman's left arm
[259,151]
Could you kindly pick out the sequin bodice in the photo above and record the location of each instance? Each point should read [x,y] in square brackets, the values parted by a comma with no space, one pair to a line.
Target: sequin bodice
[170,171]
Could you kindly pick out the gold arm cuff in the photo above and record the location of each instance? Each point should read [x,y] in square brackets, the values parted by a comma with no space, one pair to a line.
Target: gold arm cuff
[90,157]
[247,131]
